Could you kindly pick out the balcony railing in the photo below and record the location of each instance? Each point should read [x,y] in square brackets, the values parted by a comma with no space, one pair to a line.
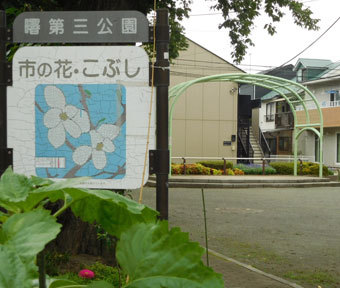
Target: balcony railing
[284,120]
[323,104]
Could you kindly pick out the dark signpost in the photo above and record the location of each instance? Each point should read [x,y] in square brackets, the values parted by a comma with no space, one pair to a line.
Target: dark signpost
[95,27]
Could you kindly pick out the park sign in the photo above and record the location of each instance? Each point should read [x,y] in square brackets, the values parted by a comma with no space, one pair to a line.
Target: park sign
[81,111]
[81,27]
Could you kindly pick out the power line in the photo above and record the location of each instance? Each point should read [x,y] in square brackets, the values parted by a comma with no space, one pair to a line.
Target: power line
[219,63]
[310,45]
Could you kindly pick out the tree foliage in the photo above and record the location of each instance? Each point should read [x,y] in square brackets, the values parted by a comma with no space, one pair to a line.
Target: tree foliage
[239,16]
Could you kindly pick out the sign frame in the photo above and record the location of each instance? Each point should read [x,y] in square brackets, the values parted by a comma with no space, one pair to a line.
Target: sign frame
[81,27]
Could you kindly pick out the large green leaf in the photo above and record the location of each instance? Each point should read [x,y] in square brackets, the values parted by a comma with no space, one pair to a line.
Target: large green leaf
[155,257]
[99,284]
[12,271]
[114,212]
[28,233]
[47,189]
[3,217]
[14,187]
[60,283]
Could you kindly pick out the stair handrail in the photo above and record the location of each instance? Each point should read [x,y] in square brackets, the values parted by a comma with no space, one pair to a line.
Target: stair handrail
[264,143]
[243,132]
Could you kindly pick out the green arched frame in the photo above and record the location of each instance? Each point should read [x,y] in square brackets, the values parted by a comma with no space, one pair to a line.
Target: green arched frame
[294,93]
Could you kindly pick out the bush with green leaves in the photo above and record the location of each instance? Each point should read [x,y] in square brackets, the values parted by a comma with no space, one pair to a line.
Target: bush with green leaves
[308,168]
[193,169]
[147,251]
[256,169]
[102,272]
[217,164]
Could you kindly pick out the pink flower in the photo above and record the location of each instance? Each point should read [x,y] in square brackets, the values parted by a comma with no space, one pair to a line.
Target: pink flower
[86,274]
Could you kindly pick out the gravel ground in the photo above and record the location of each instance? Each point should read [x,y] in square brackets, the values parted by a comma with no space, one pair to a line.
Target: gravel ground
[283,231]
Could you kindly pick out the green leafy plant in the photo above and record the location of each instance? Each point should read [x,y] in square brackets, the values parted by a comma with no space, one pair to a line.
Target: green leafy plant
[102,272]
[217,164]
[256,169]
[53,260]
[307,168]
[26,227]
[193,169]
[139,250]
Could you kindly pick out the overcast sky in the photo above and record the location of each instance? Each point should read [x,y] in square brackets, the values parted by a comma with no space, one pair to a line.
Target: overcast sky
[269,51]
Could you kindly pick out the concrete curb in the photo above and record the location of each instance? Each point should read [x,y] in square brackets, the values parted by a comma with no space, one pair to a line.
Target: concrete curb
[245,184]
[253,269]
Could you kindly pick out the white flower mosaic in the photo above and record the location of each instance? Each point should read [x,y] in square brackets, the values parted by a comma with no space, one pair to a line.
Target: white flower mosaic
[101,143]
[62,118]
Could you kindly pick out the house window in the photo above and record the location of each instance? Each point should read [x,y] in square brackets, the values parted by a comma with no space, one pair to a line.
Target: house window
[304,75]
[317,148]
[270,114]
[334,97]
[272,145]
[338,148]
[284,143]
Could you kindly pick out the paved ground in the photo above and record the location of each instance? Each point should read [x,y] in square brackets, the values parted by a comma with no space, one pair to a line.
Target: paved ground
[283,231]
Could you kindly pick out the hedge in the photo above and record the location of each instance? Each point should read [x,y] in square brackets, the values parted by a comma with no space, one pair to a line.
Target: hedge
[217,164]
[193,169]
[255,169]
[308,168]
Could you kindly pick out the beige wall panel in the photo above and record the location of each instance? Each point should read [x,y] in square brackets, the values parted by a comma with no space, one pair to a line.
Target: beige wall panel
[175,79]
[179,108]
[178,133]
[228,101]
[194,102]
[197,127]
[189,53]
[330,116]
[211,101]
[193,133]
[211,131]
[226,130]
[202,55]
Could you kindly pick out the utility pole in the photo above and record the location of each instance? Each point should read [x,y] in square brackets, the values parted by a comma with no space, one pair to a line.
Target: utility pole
[5,153]
[162,81]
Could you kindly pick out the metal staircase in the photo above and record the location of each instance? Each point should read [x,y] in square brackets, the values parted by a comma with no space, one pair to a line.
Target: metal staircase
[256,147]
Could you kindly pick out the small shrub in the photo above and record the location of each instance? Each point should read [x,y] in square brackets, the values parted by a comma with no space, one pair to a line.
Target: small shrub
[193,169]
[216,172]
[283,168]
[308,168]
[306,171]
[102,273]
[238,171]
[53,261]
[255,169]
[176,169]
[230,172]
[218,164]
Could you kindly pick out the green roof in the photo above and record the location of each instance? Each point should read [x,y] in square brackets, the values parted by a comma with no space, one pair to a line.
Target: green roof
[316,63]
[272,94]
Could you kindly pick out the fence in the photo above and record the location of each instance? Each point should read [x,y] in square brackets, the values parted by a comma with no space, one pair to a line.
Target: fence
[225,159]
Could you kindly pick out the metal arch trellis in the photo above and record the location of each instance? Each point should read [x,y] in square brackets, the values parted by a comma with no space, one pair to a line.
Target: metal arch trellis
[294,93]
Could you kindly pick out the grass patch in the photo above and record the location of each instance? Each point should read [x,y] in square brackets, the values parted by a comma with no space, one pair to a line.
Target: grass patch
[251,253]
[320,278]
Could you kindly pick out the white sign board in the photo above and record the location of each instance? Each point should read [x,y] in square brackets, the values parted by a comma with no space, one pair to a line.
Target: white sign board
[81,111]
